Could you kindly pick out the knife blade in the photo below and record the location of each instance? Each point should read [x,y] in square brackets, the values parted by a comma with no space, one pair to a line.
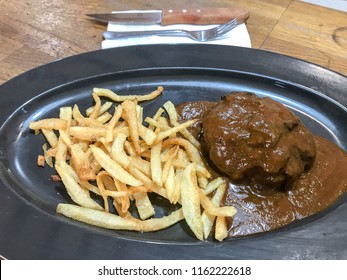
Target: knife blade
[175,16]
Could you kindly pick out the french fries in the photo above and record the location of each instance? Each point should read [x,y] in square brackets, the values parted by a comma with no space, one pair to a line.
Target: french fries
[121,159]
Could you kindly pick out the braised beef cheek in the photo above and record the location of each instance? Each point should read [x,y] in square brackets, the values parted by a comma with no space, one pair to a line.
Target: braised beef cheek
[277,171]
[260,210]
[257,140]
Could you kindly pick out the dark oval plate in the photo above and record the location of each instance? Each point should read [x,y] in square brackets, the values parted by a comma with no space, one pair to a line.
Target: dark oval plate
[30,229]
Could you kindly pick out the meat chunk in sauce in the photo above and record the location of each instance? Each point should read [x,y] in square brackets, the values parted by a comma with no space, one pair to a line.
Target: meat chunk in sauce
[258,143]
[257,140]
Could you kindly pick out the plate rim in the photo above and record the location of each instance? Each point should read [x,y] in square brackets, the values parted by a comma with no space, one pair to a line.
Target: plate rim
[170,48]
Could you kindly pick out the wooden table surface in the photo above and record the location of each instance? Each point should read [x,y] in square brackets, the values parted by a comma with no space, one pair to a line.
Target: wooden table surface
[33,33]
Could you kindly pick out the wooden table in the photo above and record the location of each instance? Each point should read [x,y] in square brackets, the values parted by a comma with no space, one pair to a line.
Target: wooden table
[33,33]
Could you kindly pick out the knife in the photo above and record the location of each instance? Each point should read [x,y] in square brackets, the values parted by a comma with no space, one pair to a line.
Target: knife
[175,16]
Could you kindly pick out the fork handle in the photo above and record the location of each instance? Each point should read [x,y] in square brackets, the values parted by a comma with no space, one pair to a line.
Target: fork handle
[204,15]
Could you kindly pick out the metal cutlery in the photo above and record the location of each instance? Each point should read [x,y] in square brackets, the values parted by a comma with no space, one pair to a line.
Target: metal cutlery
[201,35]
[174,16]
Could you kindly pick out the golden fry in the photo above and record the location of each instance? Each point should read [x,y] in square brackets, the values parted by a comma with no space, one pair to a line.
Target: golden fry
[81,163]
[221,231]
[156,168]
[113,122]
[173,130]
[61,154]
[213,185]
[104,108]
[120,98]
[141,164]
[114,168]
[96,110]
[207,218]
[47,157]
[111,221]
[117,151]
[147,135]
[87,133]
[82,121]
[143,205]
[170,186]
[50,136]
[225,211]
[65,113]
[48,124]
[191,201]
[78,194]
[130,116]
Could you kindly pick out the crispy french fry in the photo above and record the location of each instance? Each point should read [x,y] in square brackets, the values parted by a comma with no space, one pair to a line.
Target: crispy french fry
[112,124]
[176,194]
[170,185]
[129,149]
[124,201]
[65,137]
[193,152]
[50,136]
[96,110]
[117,151]
[207,218]
[221,231]
[133,170]
[75,191]
[141,164]
[104,108]
[147,135]
[88,186]
[168,162]
[65,113]
[191,201]
[202,181]
[225,211]
[101,188]
[111,221]
[156,169]
[120,98]
[143,205]
[47,157]
[157,124]
[156,116]
[173,130]
[88,133]
[48,124]
[82,121]
[81,163]
[104,118]
[130,115]
[114,168]
[213,185]
[61,154]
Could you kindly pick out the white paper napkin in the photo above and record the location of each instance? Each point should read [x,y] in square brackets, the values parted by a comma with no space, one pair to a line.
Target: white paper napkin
[239,36]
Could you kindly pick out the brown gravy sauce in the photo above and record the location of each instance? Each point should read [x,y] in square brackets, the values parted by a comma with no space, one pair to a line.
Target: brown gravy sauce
[261,210]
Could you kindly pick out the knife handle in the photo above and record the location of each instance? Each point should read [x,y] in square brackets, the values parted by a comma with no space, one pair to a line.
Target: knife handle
[203,15]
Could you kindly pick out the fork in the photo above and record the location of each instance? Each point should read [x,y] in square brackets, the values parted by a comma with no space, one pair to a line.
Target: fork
[201,35]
